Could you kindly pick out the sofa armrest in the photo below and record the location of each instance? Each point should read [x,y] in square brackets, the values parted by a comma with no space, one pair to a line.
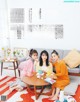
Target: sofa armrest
[74,71]
[21,60]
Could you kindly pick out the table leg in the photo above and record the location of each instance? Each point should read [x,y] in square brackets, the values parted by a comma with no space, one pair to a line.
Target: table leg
[1,67]
[19,72]
[17,63]
[48,93]
[37,94]
[29,89]
[14,68]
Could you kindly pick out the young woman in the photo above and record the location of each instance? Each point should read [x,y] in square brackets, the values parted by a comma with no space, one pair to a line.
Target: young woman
[61,74]
[27,69]
[44,63]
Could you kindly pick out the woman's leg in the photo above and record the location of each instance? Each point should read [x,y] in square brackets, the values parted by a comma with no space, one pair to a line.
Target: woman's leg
[55,97]
[53,92]
[12,88]
[19,88]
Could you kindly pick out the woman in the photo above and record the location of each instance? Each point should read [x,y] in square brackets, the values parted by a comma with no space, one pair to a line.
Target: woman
[27,67]
[61,74]
[44,63]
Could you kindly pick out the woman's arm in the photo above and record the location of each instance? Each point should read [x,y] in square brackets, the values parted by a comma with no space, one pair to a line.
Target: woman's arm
[62,69]
[37,67]
[50,69]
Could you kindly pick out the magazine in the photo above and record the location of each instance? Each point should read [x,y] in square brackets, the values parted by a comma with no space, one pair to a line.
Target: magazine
[50,80]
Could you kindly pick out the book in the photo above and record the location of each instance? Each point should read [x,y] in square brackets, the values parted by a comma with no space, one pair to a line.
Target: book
[50,80]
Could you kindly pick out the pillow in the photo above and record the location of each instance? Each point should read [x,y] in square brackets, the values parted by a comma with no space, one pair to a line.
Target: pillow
[72,59]
[71,88]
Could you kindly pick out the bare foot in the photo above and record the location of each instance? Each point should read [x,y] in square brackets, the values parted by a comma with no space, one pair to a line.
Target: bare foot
[19,89]
[8,83]
[51,96]
[11,89]
[55,97]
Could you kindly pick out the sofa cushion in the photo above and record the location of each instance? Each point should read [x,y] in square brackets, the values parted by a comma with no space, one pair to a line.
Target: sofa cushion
[72,59]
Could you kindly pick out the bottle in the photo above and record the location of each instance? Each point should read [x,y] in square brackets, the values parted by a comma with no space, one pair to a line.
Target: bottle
[61,96]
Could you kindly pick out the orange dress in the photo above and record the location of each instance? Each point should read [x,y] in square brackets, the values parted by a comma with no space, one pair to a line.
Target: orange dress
[62,75]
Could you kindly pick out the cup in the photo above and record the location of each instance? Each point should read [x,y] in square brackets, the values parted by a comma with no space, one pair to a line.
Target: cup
[40,71]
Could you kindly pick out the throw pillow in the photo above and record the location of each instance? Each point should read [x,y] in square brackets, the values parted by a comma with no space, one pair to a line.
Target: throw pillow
[72,59]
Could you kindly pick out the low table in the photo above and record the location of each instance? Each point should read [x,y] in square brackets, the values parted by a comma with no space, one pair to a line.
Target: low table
[34,81]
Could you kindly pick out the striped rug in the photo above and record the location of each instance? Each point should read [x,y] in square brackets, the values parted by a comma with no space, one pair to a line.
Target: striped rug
[5,94]
[24,96]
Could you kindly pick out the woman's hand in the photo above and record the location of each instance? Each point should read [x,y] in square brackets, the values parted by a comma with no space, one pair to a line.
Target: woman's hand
[51,60]
[53,76]
[35,62]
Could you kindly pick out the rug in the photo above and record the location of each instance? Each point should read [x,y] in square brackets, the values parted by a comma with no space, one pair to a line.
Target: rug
[24,96]
[4,88]
[29,97]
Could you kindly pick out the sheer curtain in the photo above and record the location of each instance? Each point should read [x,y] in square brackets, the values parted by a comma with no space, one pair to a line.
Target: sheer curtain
[4,31]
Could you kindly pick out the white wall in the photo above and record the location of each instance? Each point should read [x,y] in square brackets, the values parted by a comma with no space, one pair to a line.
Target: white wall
[53,12]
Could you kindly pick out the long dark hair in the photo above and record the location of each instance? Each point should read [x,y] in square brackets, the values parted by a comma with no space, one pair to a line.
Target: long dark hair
[32,51]
[47,60]
[55,52]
